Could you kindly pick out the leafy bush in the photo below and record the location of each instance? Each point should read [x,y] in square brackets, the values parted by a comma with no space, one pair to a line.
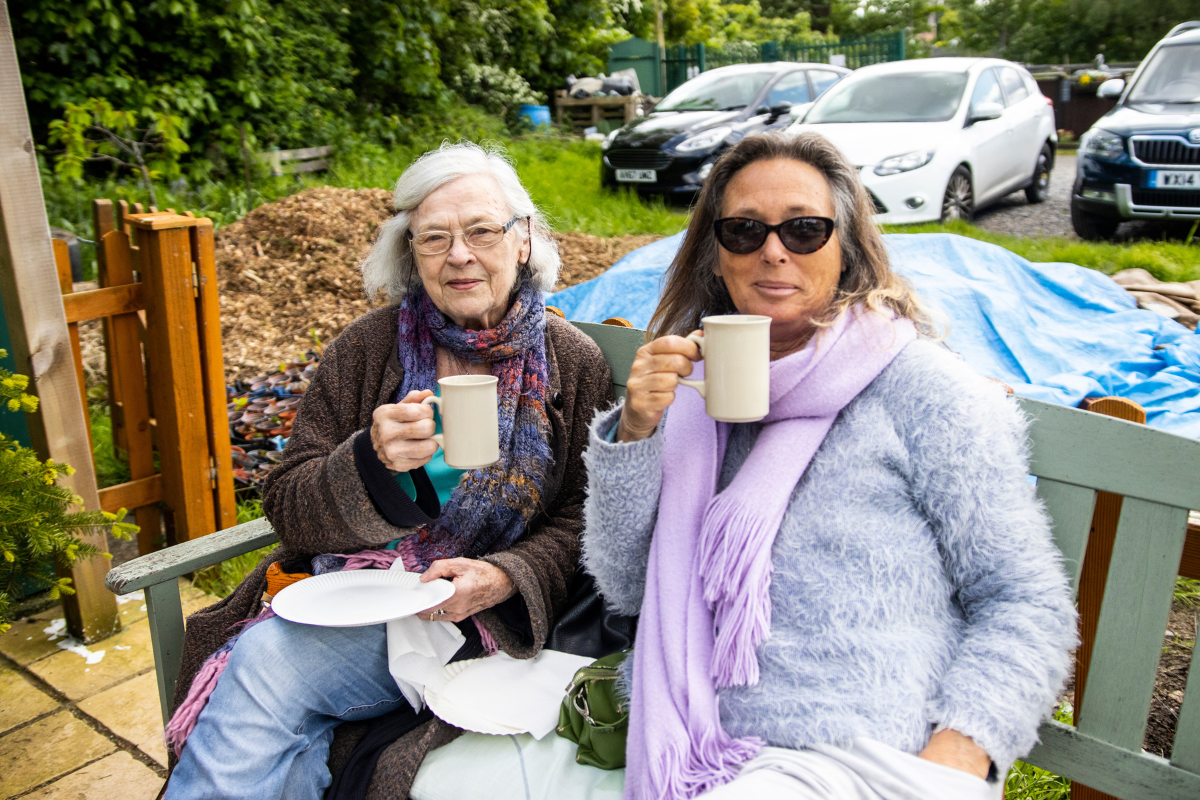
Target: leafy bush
[35,529]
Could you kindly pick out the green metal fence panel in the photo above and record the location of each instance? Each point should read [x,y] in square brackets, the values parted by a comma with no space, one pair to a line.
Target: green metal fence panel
[641,56]
[683,63]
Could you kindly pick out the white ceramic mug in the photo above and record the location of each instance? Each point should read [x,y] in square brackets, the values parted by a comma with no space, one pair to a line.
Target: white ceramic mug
[470,436]
[737,367]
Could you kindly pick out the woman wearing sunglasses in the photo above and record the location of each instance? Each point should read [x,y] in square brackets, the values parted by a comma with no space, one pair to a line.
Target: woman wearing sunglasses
[857,597]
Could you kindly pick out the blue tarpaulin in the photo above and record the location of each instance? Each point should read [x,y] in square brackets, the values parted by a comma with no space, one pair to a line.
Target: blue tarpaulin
[1054,332]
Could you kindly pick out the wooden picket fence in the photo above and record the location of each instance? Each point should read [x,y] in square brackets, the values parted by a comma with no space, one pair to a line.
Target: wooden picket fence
[158,296]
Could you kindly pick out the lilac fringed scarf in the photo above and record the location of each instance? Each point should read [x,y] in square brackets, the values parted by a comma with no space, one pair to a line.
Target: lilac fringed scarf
[707,604]
[490,508]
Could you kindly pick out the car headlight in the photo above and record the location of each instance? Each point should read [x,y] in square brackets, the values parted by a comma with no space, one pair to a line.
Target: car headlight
[704,141]
[1102,144]
[608,140]
[904,163]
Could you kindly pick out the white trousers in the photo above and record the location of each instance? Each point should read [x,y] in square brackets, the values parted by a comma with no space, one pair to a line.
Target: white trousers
[865,770]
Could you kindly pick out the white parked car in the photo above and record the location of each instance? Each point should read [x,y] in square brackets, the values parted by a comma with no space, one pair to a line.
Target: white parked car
[938,138]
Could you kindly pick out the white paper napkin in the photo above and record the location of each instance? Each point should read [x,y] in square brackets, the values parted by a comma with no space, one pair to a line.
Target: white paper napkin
[418,652]
[522,694]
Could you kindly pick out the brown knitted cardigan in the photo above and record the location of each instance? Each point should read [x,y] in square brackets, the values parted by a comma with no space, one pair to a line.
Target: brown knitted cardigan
[317,503]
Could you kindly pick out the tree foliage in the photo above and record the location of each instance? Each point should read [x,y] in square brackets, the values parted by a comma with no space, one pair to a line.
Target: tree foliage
[1049,31]
[295,73]
[36,529]
[95,131]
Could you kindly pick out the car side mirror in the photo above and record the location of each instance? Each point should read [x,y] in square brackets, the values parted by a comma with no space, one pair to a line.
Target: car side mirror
[779,109]
[985,111]
[1111,89]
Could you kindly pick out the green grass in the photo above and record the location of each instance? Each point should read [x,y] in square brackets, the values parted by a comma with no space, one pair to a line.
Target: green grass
[1167,261]
[1187,592]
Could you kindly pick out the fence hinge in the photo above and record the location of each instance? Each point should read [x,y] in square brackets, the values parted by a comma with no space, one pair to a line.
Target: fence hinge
[212,473]
[195,279]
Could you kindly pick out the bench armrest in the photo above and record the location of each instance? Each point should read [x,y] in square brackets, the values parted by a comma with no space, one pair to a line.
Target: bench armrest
[172,562]
[157,573]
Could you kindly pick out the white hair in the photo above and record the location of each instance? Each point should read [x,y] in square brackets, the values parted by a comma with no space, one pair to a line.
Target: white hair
[389,267]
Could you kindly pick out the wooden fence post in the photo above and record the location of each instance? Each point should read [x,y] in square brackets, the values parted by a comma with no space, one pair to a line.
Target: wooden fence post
[41,346]
[127,371]
[208,312]
[171,281]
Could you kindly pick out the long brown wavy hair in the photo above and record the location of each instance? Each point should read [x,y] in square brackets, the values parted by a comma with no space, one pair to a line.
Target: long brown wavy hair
[694,290]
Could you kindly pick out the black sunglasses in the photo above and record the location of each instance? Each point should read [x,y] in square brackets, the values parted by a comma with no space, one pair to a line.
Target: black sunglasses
[801,235]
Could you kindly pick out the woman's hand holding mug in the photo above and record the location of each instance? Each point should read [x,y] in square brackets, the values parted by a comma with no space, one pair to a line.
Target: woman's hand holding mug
[402,433]
[652,382]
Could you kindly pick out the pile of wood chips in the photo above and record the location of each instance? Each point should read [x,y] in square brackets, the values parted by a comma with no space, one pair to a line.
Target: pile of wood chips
[289,272]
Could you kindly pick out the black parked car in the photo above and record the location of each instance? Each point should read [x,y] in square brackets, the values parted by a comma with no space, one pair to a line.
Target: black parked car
[673,148]
[1142,159]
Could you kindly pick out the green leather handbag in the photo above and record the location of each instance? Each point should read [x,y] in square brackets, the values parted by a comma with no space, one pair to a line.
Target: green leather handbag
[594,716]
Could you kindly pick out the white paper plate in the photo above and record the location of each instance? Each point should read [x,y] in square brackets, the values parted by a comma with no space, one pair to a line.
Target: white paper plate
[500,695]
[359,597]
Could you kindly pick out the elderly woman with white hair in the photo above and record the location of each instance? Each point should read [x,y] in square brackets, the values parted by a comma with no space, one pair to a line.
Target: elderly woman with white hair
[463,263]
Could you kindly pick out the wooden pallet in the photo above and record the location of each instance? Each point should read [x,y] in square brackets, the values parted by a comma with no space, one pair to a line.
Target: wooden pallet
[590,111]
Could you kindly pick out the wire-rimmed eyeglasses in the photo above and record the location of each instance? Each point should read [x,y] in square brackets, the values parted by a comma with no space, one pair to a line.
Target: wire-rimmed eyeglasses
[476,237]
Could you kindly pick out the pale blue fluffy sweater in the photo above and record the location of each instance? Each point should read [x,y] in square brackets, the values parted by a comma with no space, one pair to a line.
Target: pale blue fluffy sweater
[915,580]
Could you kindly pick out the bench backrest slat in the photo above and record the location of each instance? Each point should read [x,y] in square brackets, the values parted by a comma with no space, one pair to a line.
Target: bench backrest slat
[1133,616]
[619,346]
[1113,455]
[1070,508]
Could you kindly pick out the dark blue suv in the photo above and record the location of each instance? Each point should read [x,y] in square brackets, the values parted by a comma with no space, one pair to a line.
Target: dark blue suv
[1142,159]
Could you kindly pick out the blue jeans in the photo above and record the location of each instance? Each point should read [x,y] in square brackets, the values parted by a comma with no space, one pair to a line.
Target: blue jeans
[266,730]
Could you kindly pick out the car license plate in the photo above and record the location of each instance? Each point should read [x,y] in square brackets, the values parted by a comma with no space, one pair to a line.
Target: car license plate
[637,175]
[1172,179]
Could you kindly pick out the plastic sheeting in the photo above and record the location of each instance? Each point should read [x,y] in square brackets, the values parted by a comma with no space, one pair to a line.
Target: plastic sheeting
[1054,332]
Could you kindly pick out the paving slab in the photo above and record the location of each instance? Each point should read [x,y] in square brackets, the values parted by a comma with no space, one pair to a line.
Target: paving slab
[84,671]
[115,777]
[131,711]
[47,749]
[132,608]
[33,638]
[20,700]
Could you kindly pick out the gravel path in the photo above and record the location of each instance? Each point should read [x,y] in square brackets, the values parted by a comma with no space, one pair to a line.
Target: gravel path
[1014,216]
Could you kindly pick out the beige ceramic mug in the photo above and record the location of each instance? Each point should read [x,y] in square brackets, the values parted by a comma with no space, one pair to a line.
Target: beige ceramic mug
[470,436]
[737,366]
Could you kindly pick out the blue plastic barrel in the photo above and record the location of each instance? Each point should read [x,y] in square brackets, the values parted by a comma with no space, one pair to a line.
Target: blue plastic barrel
[537,115]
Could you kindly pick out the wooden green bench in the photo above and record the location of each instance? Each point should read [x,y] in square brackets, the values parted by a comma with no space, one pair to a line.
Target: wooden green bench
[1075,454]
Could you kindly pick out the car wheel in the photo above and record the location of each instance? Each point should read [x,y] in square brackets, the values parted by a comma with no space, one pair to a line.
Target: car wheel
[1039,190]
[1092,227]
[957,202]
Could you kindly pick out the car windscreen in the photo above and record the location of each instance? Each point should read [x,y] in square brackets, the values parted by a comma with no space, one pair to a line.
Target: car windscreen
[905,97]
[715,92]
[1173,76]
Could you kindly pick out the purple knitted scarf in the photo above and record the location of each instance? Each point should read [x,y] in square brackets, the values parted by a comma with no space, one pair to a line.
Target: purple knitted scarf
[490,508]
[707,605]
